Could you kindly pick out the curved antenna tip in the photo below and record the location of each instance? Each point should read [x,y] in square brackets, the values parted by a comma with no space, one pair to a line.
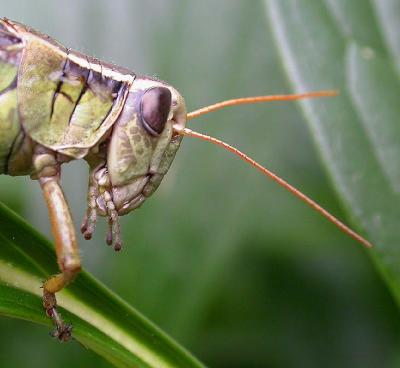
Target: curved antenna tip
[297,193]
[258,99]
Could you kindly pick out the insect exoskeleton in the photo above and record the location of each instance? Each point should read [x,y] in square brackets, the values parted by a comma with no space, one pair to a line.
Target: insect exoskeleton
[139,149]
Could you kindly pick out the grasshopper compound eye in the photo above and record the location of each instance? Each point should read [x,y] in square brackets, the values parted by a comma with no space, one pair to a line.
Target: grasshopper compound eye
[155,106]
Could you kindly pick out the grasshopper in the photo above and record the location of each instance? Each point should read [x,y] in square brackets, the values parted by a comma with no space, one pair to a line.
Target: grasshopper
[58,105]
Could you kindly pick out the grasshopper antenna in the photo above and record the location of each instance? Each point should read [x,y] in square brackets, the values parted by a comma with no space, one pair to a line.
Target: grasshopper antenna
[249,100]
[258,99]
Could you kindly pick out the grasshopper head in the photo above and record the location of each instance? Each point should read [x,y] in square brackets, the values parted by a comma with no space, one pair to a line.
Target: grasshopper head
[143,142]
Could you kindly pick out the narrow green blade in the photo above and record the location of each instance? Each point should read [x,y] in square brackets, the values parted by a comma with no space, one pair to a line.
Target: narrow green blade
[352,46]
[102,321]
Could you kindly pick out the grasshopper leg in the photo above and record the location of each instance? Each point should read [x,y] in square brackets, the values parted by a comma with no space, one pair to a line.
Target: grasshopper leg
[100,202]
[66,249]
[48,174]
[114,232]
[89,222]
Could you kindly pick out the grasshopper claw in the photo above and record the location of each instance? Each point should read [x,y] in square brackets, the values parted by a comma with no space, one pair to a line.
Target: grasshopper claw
[63,334]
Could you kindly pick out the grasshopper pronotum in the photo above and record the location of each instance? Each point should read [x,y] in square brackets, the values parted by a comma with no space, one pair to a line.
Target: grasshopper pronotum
[57,105]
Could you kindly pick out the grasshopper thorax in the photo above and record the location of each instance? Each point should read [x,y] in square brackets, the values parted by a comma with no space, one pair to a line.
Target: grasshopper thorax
[143,142]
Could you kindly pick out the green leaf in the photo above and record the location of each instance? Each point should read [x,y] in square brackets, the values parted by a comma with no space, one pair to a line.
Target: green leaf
[102,321]
[352,46]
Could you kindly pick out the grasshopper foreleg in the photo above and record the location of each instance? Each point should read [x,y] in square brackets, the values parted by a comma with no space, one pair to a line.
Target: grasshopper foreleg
[89,221]
[100,203]
[114,232]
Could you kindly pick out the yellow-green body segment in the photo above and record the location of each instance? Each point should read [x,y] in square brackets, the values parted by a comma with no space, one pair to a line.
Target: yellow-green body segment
[54,95]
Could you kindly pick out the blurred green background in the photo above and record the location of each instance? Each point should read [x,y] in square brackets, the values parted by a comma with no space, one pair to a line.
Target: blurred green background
[226,262]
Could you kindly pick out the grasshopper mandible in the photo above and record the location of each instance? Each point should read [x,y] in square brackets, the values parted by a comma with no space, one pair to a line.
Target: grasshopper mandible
[57,105]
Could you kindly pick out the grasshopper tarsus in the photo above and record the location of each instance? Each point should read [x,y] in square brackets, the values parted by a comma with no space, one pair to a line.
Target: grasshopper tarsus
[117,246]
[62,333]
[87,235]
[109,237]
